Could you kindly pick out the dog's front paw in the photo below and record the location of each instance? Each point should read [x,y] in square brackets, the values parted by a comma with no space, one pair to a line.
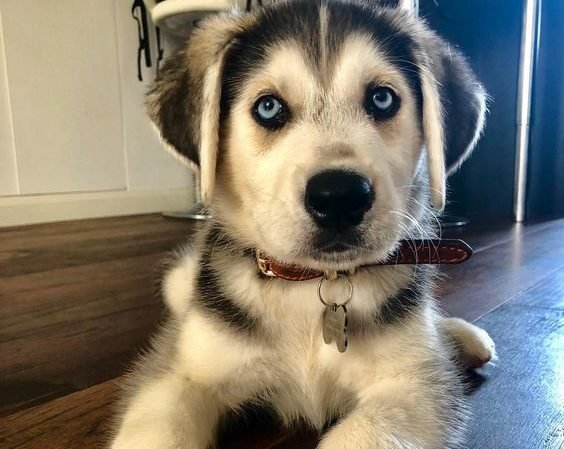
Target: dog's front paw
[145,440]
[476,346]
[154,437]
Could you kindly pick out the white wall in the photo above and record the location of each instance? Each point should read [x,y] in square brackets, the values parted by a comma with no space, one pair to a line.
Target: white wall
[8,169]
[69,91]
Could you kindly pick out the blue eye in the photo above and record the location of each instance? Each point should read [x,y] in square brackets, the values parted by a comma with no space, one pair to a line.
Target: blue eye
[383,99]
[268,108]
[381,102]
[270,112]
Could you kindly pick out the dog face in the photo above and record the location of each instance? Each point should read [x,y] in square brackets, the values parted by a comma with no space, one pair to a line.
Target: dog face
[310,121]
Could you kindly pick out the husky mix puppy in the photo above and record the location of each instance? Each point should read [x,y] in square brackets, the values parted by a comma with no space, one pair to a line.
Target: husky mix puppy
[323,132]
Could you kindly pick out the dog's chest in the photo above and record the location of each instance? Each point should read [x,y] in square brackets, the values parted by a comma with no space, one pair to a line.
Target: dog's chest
[307,376]
[313,379]
[285,358]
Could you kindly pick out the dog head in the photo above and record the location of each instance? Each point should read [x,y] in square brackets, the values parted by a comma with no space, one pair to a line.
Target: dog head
[322,130]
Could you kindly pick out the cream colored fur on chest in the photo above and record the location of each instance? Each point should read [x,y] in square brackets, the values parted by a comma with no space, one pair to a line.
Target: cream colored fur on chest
[291,366]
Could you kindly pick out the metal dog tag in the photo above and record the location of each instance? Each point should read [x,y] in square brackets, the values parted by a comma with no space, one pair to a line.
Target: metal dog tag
[335,326]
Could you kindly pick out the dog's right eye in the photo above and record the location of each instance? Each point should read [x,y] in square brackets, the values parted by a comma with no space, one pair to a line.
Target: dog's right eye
[270,112]
[381,102]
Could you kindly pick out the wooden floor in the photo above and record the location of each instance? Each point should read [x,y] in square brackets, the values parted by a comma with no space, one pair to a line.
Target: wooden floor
[78,300]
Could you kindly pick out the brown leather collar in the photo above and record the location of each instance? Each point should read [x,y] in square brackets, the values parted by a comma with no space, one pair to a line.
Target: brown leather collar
[409,252]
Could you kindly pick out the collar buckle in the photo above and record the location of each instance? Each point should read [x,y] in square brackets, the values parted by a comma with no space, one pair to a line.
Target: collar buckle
[264,264]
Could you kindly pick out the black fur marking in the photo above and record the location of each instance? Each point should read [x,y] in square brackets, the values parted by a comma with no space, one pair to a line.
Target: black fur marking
[461,106]
[300,20]
[170,111]
[406,301]
[211,296]
[275,24]
[400,47]
[252,415]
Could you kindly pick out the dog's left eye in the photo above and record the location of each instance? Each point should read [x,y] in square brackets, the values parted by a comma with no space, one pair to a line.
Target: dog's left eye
[270,112]
[381,102]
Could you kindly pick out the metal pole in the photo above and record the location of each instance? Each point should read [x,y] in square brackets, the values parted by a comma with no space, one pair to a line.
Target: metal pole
[529,40]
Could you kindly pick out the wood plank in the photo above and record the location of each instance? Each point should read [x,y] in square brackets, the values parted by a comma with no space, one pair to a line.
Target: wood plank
[549,293]
[56,234]
[77,301]
[31,256]
[483,236]
[496,275]
[84,227]
[520,403]
[80,420]
[76,327]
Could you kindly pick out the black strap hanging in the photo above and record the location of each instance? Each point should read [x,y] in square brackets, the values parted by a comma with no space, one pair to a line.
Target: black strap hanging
[139,13]
[160,49]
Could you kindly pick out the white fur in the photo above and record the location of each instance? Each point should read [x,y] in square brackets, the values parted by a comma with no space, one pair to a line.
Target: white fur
[476,345]
[209,130]
[433,129]
[179,282]
[169,412]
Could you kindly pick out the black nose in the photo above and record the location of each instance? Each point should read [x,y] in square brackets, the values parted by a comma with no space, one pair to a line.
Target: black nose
[337,199]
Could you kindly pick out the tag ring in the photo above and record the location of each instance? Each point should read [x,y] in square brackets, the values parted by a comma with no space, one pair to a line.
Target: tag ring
[349,297]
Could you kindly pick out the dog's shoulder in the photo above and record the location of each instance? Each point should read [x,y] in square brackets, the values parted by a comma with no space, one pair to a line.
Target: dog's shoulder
[180,270]
[178,280]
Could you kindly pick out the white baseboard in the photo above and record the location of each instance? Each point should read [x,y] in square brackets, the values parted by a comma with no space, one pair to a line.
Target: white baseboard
[22,210]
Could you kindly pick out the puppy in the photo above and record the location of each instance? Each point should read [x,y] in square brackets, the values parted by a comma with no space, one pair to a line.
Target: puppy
[323,131]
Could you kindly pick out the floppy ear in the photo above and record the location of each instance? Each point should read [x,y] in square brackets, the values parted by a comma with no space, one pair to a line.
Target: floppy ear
[184,102]
[454,107]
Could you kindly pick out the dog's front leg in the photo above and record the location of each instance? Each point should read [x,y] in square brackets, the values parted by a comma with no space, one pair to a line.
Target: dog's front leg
[169,412]
[396,414]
